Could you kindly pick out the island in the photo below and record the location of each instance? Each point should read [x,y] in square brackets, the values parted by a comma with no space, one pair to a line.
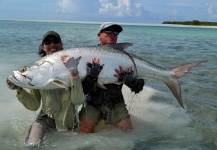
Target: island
[193,22]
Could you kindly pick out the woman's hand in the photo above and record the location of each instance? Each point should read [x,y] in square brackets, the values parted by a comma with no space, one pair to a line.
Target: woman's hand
[71,63]
[12,86]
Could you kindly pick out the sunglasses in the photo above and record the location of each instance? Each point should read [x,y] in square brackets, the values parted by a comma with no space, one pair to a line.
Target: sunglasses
[109,32]
[48,42]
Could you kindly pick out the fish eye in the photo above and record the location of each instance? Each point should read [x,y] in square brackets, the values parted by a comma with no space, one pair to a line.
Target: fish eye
[22,69]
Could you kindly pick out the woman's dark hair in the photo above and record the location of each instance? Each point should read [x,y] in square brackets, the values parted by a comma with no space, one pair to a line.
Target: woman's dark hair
[41,52]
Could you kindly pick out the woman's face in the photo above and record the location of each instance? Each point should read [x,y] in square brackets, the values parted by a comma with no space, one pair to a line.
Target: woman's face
[51,44]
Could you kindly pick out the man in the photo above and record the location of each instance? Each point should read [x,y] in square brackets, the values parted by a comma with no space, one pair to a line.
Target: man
[109,104]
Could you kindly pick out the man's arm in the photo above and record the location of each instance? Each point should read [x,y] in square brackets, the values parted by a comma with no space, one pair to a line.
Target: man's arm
[93,70]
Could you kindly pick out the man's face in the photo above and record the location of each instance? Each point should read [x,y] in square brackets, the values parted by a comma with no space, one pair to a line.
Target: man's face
[108,36]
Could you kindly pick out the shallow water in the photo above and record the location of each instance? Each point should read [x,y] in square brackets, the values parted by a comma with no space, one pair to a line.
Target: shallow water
[159,122]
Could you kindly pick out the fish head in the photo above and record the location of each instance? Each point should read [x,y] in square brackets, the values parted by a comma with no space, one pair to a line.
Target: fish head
[32,76]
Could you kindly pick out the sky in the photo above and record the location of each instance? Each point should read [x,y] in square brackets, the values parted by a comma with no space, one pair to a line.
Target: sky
[132,11]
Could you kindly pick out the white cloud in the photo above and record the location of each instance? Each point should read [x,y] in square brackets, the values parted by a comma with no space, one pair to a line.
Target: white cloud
[65,5]
[77,6]
[120,8]
[210,10]
[137,10]
[102,10]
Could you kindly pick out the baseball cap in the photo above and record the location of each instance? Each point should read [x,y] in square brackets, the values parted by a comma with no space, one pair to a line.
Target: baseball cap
[117,27]
[53,33]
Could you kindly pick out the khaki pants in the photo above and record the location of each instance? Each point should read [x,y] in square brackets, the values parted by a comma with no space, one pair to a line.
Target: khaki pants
[111,116]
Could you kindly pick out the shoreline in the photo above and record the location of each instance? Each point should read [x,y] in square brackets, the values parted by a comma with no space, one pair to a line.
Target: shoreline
[192,23]
[122,23]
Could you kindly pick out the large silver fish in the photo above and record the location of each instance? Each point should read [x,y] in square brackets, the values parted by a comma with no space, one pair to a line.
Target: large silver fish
[49,72]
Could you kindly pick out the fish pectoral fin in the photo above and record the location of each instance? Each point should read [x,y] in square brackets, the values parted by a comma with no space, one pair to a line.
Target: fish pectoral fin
[101,86]
[60,84]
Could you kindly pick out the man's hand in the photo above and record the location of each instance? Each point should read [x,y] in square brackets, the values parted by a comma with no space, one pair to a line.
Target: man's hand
[125,76]
[71,63]
[94,68]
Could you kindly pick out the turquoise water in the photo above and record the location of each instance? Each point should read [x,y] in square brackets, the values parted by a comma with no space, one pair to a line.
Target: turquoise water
[158,120]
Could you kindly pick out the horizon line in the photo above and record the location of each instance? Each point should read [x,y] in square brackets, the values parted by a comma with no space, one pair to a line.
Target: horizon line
[122,23]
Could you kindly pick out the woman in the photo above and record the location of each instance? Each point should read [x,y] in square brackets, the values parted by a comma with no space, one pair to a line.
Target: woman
[58,105]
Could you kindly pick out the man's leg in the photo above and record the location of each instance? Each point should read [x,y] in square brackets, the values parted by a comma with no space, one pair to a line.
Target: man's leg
[86,125]
[121,117]
[89,117]
[125,125]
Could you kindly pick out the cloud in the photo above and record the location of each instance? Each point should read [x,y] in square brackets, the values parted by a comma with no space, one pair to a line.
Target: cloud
[114,8]
[104,10]
[210,10]
[77,6]
[136,10]
[66,5]
[120,8]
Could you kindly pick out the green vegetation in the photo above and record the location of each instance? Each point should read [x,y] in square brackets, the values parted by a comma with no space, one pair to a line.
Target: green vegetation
[193,22]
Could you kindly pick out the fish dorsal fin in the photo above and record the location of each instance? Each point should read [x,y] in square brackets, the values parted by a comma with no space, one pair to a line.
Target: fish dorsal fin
[119,46]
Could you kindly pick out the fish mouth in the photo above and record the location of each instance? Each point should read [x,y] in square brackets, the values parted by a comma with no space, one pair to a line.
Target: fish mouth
[22,78]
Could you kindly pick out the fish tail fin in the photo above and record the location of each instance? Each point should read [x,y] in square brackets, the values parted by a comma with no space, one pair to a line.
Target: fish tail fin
[174,87]
[178,72]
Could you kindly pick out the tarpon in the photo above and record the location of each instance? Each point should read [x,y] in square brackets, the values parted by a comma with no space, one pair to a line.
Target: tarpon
[50,73]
